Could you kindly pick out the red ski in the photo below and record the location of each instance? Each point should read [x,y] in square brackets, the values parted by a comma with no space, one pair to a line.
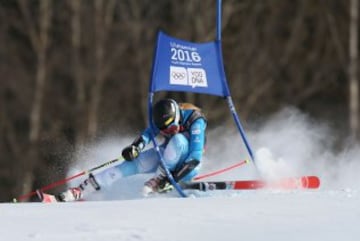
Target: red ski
[284,183]
[304,182]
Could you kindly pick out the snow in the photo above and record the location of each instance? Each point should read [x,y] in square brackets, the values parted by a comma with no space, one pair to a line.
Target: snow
[289,144]
[250,215]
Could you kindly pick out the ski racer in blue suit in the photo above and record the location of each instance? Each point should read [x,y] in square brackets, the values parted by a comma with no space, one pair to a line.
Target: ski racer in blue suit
[182,127]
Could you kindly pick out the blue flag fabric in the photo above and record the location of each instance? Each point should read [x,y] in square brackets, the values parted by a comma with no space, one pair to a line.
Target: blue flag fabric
[180,65]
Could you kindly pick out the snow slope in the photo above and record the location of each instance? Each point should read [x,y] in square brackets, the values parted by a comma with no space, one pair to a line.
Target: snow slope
[250,215]
[288,144]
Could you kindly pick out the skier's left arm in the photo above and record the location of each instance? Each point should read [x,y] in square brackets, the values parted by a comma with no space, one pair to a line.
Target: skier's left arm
[196,149]
[196,140]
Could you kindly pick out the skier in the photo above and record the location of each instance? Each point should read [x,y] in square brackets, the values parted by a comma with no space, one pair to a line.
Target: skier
[183,127]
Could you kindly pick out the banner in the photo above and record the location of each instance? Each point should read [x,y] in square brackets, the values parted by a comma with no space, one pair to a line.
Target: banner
[190,67]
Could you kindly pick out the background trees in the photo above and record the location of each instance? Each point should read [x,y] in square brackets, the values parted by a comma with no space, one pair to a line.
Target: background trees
[75,70]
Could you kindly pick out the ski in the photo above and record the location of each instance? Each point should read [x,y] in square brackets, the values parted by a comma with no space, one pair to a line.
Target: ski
[303,182]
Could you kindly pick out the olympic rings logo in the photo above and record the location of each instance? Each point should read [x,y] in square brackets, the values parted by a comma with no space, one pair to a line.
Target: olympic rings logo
[178,75]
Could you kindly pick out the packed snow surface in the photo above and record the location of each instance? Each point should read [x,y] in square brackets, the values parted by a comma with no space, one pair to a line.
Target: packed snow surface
[250,215]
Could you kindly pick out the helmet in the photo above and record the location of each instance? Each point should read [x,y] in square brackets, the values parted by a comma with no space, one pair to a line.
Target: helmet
[166,113]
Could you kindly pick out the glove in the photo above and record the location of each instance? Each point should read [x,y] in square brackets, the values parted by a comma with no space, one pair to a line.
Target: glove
[129,153]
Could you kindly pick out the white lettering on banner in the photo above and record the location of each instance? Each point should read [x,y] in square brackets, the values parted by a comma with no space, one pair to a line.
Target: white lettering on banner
[197,77]
[184,55]
[180,46]
[194,77]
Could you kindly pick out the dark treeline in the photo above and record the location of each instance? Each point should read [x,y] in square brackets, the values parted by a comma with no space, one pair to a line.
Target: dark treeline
[72,71]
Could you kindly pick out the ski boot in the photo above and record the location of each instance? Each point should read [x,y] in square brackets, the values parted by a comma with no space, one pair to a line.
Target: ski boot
[159,184]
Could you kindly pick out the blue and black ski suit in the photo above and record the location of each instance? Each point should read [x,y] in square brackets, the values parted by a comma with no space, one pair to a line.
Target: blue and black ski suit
[177,150]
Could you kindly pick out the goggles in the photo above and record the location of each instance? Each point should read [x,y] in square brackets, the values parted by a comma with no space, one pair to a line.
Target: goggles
[170,130]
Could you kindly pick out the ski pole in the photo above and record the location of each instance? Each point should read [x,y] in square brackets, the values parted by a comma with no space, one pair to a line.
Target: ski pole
[63,181]
[222,170]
